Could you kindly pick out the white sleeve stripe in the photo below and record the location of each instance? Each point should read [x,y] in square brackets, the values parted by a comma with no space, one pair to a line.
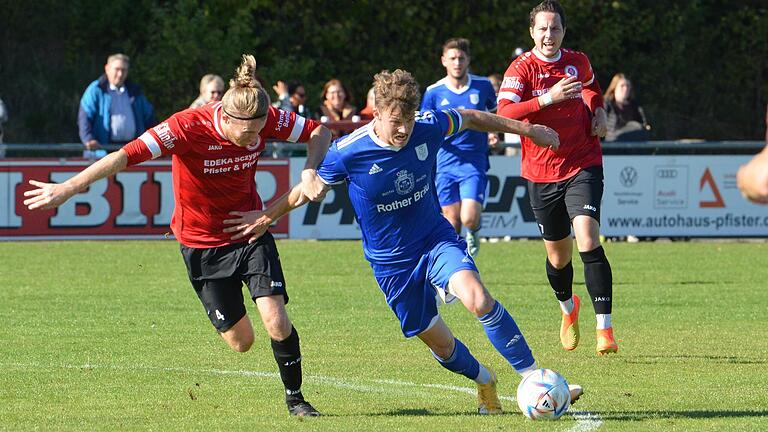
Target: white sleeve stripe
[508,95]
[328,182]
[590,81]
[297,128]
[151,144]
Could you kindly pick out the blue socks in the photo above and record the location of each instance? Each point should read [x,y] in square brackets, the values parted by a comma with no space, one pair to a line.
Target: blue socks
[506,337]
[461,361]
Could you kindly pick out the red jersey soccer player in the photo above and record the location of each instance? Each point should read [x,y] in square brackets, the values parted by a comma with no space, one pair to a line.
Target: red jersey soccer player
[215,150]
[556,87]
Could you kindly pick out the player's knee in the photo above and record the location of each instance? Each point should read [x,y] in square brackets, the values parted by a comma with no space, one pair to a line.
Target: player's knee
[241,344]
[278,327]
[472,223]
[589,244]
[443,350]
[481,303]
[559,261]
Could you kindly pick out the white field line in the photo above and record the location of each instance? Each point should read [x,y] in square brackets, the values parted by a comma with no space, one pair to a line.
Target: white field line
[585,421]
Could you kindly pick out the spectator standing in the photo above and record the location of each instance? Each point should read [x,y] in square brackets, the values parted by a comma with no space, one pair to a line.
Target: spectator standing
[557,87]
[292,97]
[370,103]
[463,161]
[211,89]
[626,119]
[113,110]
[336,105]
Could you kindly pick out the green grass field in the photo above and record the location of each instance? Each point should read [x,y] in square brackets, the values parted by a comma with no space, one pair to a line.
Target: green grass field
[110,336]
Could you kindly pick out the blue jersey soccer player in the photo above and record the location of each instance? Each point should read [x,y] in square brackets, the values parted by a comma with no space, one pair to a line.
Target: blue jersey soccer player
[463,160]
[415,254]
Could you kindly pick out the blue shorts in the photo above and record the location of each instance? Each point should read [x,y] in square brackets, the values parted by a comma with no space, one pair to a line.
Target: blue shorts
[465,181]
[414,294]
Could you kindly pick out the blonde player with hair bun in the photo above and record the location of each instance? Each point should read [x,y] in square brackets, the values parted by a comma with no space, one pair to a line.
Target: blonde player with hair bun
[214,151]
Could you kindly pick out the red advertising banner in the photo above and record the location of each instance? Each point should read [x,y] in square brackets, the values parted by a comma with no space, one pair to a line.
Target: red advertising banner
[136,203]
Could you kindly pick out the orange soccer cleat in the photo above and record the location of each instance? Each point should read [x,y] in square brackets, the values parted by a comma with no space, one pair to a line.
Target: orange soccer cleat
[606,344]
[569,326]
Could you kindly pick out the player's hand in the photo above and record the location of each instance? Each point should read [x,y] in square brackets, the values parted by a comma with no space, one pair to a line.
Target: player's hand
[92,145]
[544,136]
[47,195]
[493,140]
[280,88]
[311,185]
[567,88]
[252,224]
[752,179]
[600,123]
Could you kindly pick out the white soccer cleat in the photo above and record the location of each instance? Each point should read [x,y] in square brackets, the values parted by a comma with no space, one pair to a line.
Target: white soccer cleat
[576,392]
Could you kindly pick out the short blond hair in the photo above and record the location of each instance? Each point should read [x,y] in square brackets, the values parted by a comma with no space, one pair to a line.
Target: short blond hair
[208,78]
[245,94]
[397,89]
[119,56]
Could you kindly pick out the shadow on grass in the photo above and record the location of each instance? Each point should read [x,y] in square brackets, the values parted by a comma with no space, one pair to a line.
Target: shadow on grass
[651,359]
[420,412]
[698,414]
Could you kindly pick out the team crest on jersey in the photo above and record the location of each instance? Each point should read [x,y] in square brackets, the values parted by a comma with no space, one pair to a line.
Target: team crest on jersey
[404,182]
[474,98]
[422,151]
[571,70]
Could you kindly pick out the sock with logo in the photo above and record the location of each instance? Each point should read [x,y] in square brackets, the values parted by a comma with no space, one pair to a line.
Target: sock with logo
[598,278]
[561,280]
[288,357]
[461,361]
[506,337]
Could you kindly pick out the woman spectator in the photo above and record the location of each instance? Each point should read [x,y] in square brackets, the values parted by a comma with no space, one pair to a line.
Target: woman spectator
[336,105]
[211,89]
[626,119]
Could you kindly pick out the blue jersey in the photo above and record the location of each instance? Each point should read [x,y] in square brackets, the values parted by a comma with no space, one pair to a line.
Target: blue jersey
[391,189]
[469,145]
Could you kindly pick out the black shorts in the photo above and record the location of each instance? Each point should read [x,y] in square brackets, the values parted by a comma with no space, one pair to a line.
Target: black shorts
[218,274]
[556,204]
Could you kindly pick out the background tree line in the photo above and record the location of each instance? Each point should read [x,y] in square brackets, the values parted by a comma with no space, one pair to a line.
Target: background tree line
[700,67]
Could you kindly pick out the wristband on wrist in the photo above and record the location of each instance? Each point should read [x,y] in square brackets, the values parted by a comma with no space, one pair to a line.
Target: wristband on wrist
[546,99]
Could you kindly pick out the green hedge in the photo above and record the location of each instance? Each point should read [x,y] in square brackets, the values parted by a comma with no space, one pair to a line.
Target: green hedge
[700,67]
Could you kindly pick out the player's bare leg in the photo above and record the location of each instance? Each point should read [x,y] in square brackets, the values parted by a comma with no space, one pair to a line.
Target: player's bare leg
[452,212]
[285,347]
[239,337]
[471,211]
[599,280]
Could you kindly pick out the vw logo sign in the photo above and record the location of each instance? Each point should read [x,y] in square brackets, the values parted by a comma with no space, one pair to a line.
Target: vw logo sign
[628,176]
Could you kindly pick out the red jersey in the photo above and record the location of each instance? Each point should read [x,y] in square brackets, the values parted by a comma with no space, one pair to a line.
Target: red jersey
[211,176]
[527,78]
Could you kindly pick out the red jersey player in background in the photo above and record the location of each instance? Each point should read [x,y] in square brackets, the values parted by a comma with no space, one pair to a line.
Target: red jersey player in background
[215,150]
[556,87]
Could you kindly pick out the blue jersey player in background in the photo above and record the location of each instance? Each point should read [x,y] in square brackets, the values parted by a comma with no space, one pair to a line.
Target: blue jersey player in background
[463,161]
[415,253]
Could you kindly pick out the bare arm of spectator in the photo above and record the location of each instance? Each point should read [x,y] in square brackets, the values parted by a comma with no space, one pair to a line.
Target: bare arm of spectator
[752,178]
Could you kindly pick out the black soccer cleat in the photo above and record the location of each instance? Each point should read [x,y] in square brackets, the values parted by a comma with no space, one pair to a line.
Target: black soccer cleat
[302,409]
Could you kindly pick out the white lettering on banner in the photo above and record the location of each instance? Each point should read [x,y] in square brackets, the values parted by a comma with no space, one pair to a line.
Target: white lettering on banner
[396,205]
[131,214]
[165,134]
[227,164]
[93,198]
[165,180]
[8,216]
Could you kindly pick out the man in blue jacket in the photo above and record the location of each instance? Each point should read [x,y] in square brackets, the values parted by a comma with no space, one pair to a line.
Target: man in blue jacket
[113,110]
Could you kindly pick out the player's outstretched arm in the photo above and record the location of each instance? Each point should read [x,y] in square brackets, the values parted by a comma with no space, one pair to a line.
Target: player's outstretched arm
[52,195]
[542,136]
[317,147]
[752,178]
[255,223]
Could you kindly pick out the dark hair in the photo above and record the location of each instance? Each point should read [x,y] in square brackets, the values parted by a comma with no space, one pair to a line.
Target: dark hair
[292,86]
[548,6]
[457,43]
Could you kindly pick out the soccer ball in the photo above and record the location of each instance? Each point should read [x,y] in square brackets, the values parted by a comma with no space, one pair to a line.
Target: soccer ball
[543,395]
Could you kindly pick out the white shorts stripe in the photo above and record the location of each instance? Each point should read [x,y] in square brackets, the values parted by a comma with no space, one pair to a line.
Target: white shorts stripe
[297,128]
[151,144]
[508,95]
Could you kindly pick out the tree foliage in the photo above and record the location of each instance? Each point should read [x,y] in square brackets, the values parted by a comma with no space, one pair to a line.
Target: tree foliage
[700,67]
